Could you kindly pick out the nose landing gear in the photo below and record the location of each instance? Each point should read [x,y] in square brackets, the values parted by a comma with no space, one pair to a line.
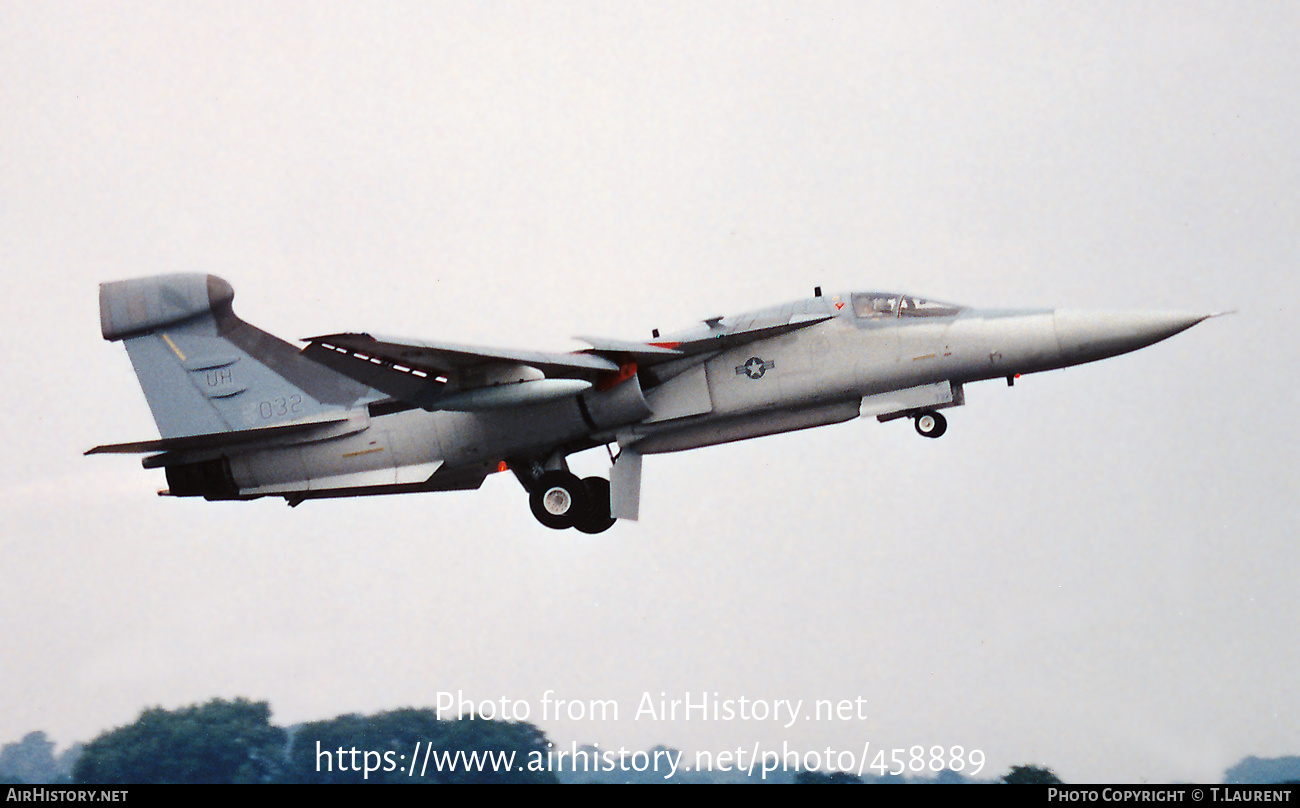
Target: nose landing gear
[930,424]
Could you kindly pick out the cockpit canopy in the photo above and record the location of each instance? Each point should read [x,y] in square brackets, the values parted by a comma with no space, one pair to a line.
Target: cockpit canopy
[887,304]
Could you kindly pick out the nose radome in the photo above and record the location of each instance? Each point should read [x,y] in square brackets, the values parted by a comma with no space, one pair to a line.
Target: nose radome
[1086,336]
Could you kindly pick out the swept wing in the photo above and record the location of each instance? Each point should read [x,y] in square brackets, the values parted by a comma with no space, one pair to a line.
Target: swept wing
[440,375]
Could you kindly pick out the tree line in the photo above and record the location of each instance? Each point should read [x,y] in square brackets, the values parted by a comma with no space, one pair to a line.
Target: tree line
[234,741]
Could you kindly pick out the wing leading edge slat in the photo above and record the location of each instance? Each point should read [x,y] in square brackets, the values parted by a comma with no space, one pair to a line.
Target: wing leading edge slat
[722,339]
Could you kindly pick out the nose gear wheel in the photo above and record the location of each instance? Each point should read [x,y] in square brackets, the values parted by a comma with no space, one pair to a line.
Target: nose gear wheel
[931,424]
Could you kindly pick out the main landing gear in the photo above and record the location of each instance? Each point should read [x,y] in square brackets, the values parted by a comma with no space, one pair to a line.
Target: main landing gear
[560,500]
[930,424]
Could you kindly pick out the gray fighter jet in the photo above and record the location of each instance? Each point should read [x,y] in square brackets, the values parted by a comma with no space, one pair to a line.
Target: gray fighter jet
[244,414]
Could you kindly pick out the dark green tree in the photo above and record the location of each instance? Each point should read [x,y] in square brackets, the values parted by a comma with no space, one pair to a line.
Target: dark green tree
[1031,775]
[31,760]
[218,742]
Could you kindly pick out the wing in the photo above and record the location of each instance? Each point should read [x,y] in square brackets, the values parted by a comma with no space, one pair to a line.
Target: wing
[459,377]
[670,356]
[717,338]
[448,376]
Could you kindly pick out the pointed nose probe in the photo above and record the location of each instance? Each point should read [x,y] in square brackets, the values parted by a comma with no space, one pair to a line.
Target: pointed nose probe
[1086,336]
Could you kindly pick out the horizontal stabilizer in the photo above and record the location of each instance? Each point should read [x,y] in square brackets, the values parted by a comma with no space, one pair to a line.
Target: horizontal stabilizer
[220,440]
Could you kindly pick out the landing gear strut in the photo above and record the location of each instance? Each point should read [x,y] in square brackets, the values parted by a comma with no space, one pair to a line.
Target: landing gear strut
[930,424]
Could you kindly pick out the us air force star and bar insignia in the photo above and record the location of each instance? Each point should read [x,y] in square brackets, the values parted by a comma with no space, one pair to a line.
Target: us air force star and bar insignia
[754,367]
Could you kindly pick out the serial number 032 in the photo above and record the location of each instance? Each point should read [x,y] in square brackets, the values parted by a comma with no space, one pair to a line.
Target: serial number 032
[280,407]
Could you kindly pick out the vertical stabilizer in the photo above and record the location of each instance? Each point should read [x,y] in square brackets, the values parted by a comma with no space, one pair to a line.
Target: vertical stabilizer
[203,370]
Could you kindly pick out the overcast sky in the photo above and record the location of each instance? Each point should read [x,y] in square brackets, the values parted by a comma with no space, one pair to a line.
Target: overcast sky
[1094,570]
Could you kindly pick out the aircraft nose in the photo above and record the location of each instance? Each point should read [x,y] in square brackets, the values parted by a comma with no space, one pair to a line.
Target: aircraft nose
[1088,336]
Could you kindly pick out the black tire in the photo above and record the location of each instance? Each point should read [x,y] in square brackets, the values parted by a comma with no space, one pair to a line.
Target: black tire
[930,424]
[559,499]
[596,519]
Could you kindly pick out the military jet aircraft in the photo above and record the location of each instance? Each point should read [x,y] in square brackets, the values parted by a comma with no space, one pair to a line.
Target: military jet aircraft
[243,414]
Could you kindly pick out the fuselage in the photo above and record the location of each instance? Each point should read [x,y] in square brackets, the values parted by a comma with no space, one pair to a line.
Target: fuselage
[243,414]
[872,345]
[875,346]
